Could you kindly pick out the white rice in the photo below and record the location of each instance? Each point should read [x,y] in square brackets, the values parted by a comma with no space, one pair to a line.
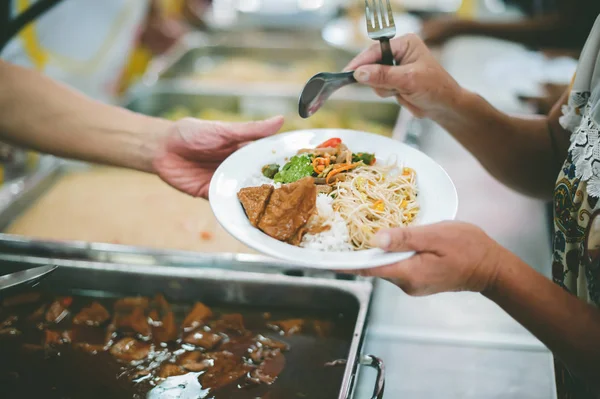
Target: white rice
[259,180]
[335,239]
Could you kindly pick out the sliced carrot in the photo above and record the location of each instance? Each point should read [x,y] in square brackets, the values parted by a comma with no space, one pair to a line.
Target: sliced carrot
[319,164]
[335,171]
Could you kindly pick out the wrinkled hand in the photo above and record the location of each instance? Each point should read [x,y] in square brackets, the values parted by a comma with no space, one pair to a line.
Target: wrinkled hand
[450,256]
[194,148]
[437,31]
[418,81]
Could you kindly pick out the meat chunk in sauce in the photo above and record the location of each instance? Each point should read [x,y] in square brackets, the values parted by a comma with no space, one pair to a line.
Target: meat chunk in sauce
[58,310]
[269,370]
[162,319]
[56,337]
[93,315]
[264,348]
[169,370]
[254,200]
[289,209]
[203,339]
[199,315]
[271,343]
[165,329]
[194,361]
[229,323]
[9,331]
[287,327]
[225,370]
[9,321]
[135,321]
[129,349]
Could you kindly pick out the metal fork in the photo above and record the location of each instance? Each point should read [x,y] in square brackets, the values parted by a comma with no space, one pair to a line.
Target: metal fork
[380,26]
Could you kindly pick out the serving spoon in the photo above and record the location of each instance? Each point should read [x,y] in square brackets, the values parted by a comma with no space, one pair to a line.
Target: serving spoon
[23,279]
[319,88]
[380,27]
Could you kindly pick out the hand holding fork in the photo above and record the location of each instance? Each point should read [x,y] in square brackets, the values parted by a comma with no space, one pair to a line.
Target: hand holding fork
[380,26]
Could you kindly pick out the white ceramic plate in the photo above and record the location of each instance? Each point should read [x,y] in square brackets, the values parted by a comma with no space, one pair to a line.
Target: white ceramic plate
[437,195]
[351,34]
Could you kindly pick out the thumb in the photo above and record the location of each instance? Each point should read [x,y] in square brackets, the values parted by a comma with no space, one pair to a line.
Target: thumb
[398,77]
[418,238]
[374,75]
[249,131]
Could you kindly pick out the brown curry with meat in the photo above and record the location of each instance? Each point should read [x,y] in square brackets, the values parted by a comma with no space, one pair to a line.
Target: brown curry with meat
[137,347]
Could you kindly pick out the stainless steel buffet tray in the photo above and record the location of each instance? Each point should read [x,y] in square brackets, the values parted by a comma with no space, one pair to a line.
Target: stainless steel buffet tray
[164,97]
[224,287]
[17,196]
[197,53]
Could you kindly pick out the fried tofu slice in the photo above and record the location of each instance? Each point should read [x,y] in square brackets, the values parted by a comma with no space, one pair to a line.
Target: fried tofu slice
[254,201]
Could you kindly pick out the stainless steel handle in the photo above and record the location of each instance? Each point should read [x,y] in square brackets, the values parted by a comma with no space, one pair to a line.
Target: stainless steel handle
[377,364]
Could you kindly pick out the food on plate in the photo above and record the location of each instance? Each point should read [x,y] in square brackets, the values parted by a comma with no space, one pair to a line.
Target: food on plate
[323,119]
[282,213]
[90,354]
[254,200]
[330,198]
[248,70]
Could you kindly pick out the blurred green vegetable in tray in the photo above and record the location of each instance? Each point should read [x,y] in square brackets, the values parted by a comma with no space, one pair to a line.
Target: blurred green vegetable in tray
[324,119]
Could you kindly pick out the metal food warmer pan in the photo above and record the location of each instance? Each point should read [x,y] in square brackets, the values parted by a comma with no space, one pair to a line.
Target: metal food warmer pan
[252,63]
[175,100]
[302,336]
[228,283]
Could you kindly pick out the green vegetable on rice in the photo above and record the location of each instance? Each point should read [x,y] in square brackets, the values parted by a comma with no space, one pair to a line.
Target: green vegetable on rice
[269,171]
[298,167]
[367,159]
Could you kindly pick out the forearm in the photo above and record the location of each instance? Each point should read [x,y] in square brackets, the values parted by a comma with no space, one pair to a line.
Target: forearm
[39,113]
[518,151]
[568,326]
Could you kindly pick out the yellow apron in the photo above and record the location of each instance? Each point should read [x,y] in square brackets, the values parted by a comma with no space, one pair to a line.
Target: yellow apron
[41,58]
[141,56]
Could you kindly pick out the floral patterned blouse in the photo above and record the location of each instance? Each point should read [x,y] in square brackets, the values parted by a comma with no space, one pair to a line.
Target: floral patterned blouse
[576,254]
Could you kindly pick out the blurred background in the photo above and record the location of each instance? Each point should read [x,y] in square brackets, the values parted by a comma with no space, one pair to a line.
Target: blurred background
[247,59]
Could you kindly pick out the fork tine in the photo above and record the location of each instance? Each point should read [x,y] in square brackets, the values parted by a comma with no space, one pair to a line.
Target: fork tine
[369,15]
[390,14]
[382,15]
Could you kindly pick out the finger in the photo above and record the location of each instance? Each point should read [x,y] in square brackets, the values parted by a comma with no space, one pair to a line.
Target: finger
[249,131]
[400,47]
[418,238]
[385,77]
[385,93]
[397,271]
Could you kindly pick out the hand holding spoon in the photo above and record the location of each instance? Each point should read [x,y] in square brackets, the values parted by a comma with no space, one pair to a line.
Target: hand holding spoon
[381,27]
